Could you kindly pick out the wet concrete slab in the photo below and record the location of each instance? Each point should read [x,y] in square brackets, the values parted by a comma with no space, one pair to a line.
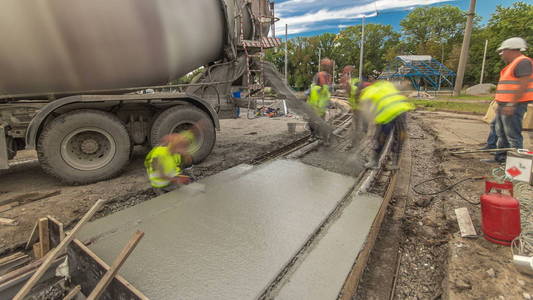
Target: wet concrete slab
[227,242]
[322,273]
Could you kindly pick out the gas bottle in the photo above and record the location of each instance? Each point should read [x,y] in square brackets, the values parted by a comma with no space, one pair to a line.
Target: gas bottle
[500,213]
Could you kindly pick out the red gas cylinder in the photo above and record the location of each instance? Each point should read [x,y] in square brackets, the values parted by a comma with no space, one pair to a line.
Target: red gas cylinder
[500,214]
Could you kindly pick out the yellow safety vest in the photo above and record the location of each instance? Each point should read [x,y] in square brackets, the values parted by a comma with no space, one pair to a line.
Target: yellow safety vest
[319,98]
[170,162]
[387,102]
[354,82]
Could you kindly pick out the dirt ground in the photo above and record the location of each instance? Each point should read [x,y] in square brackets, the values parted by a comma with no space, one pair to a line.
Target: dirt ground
[239,141]
[420,253]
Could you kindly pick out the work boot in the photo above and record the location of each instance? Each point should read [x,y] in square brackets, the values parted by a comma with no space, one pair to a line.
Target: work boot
[373,162]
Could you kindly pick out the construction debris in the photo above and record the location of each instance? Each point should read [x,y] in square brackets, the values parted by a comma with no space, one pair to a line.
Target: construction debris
[55,252]
[7,222]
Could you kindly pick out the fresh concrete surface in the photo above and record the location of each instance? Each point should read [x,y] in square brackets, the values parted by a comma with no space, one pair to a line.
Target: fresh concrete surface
[322,273]
[228,242]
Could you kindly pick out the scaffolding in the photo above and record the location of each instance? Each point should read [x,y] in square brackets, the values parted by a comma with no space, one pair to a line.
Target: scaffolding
[423,71]
[253,47]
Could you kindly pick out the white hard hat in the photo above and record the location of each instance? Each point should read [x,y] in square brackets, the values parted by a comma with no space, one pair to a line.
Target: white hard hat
[515,43]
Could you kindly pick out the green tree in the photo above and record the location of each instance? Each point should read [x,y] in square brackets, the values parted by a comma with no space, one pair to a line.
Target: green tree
[504,23]
[434,31]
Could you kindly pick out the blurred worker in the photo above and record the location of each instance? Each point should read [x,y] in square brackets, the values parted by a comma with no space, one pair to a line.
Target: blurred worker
[513,93]
[388,107]
[319,93]
[352,87]
[164,163]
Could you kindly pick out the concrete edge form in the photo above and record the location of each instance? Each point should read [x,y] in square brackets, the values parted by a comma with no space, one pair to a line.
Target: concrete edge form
[325,268]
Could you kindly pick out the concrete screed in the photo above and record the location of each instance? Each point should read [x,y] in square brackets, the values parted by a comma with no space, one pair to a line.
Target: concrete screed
[232,239]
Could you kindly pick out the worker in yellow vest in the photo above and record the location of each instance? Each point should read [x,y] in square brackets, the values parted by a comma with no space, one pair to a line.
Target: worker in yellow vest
[352,88]
[319,93]
[388,107]
[513,93]
[164,163]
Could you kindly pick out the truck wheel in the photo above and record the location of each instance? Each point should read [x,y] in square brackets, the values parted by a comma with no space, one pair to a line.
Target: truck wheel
[84,146]
[183,117]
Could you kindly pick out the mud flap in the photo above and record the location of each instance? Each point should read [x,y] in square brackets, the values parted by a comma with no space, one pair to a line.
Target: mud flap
[3,149]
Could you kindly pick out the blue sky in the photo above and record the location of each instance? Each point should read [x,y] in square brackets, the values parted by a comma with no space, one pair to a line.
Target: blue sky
[312,17]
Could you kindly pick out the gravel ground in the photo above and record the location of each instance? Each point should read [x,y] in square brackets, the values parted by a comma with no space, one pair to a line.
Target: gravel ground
[435,262]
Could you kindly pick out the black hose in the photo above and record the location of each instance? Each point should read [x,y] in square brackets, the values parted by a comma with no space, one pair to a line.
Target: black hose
[447,188]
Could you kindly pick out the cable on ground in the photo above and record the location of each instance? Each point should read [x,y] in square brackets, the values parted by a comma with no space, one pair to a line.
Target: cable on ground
[447,188]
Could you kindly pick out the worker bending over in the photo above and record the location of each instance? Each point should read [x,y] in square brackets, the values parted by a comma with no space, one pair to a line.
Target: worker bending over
[165,162]
[387,107]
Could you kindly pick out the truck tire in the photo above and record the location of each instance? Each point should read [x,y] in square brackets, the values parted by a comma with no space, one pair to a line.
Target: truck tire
[84,146]
[180,118]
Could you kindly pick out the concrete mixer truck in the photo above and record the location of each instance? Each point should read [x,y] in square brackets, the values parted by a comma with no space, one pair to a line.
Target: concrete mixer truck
[74,76]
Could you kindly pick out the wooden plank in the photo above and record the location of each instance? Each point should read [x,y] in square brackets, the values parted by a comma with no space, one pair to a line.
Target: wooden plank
[7,207]
[87,269]
[3,149]
[73,293]
[352,281]
[11,283]
[34,236]
[30,197]
[44,236]
[465,222]
[8,222]
[54,253]
[11,257]
[37,250]
[9,263]
[57,234]
[119,261]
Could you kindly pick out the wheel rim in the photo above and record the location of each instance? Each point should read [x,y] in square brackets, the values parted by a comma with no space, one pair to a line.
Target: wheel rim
[198,135]
[88,148]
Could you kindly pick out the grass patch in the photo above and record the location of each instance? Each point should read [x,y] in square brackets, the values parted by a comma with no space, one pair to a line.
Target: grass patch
[467,97]
[456,106]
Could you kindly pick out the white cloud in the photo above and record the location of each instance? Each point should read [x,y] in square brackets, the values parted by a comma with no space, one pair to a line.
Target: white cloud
[294,12]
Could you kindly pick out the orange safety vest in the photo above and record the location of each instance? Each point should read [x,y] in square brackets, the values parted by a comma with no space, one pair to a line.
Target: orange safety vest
[508,85]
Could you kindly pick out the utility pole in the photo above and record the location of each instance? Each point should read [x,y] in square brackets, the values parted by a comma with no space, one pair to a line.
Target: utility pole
[286,53]
[464,50]
[319,58]
[483,64]
[362,50]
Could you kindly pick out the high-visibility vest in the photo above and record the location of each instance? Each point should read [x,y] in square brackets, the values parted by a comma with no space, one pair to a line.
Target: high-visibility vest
[319,98]
[509,85]
[170,163]
[387,102]
[352,93]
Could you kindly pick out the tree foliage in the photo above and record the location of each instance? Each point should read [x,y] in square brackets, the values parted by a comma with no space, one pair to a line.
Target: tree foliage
[436,31]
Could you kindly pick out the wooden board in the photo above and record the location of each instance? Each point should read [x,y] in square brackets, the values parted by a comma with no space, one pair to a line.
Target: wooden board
[7,207]
[465,222]
[44,236]
[34,236]
[57,233]
[7,222]
[73,293]
[12,262]
[100,288]
[30,197]
[87,269]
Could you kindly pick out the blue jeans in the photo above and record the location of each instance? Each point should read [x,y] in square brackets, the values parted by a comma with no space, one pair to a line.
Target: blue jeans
[509,129]
[492,139]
